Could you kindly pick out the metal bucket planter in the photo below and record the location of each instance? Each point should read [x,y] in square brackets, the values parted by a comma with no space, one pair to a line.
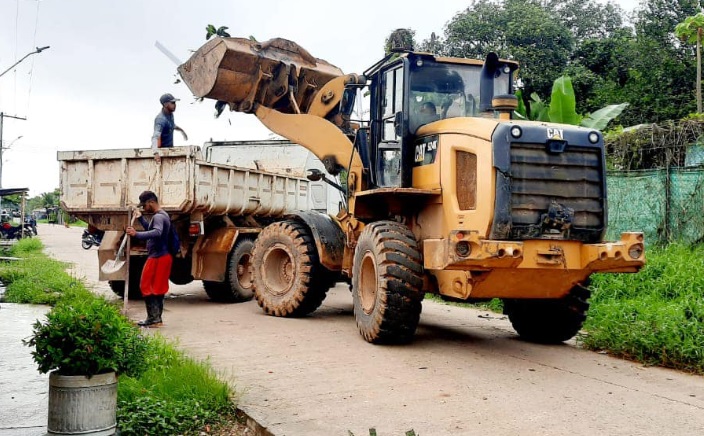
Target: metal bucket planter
[79,405]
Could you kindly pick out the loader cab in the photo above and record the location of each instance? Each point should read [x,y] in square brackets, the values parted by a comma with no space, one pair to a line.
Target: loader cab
[417,89]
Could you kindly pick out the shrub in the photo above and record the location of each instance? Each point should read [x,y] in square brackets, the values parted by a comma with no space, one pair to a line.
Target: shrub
[87,336]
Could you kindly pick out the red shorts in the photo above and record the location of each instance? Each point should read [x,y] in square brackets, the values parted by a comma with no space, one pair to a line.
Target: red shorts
[155,276]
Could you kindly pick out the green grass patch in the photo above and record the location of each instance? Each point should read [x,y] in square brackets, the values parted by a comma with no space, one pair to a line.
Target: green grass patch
[159,402]
[656,316]
[36,278]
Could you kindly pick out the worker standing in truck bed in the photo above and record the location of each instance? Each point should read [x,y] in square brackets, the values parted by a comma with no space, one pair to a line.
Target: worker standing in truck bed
[164,126]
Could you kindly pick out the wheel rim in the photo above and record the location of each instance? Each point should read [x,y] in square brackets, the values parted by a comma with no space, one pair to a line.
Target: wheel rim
[277,270]
[368,283]
[244,271]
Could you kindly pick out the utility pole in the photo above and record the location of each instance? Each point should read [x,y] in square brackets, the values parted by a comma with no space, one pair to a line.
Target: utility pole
[2,145]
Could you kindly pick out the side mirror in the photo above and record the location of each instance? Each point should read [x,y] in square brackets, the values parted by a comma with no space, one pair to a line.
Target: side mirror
[398,124]
[314,175]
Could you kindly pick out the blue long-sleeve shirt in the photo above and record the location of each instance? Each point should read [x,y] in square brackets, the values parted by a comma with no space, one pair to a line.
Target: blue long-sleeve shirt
[156,233]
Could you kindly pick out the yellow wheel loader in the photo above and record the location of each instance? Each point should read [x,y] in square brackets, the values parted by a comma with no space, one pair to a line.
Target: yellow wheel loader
[446,193]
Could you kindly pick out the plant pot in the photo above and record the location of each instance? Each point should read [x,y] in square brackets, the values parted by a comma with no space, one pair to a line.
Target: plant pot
[82,405]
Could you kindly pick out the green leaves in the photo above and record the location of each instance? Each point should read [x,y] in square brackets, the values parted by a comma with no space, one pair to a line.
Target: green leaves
[213,31]
[563,105]
[562,108]
[600,119]
[689,29]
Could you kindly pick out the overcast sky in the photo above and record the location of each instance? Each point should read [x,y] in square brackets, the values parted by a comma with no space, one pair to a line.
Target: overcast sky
[98,85]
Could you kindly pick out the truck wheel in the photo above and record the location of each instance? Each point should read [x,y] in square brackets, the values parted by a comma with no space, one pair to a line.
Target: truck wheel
[118,286]
[549,321]
[288,277]
[237,286]
[386,283]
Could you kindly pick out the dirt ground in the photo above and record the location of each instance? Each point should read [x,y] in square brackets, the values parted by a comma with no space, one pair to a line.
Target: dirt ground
[466,372]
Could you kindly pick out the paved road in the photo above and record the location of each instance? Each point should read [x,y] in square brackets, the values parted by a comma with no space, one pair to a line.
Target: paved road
[465,374]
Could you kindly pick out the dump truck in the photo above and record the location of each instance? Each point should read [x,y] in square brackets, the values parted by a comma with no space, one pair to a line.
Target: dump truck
[216,208]
[445,192]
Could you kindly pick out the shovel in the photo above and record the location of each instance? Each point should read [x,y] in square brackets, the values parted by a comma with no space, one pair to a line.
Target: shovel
[113,265]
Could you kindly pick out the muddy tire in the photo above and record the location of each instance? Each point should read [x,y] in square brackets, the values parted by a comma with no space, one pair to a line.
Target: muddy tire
[288,277]
[238,284]
[549,321]
[118,286]
[387,283]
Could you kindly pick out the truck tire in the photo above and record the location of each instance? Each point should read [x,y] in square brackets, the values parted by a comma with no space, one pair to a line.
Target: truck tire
[549,321]
[238,284]
[288,277]
[118,286]
[387,283]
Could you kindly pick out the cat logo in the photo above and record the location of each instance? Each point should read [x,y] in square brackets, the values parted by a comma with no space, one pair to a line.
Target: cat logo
[426,147]
[554,133]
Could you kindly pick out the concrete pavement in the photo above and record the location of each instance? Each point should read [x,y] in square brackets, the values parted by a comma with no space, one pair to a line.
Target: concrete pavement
[23,390]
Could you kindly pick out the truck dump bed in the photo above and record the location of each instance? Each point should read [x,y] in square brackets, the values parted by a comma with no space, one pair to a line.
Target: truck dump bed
[98,186]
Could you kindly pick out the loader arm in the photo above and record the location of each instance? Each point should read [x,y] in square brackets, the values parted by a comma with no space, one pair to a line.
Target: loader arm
[291,92]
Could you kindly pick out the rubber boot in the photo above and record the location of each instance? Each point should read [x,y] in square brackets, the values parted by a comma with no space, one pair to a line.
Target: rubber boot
[149,304]
[158,310]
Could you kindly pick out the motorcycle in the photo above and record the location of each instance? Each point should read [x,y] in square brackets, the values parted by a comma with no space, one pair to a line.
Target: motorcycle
[90,239]
[31,224]
[8,231]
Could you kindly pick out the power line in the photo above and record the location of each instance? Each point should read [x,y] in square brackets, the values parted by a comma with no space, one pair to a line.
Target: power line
[2,146]
[31,70]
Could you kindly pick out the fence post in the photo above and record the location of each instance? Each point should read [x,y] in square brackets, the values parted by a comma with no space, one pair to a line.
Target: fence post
[668,196]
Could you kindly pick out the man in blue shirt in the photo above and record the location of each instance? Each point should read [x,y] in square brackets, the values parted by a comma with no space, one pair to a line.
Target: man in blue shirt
[164,126]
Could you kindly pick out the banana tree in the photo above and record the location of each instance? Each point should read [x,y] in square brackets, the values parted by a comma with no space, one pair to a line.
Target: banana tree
[690,31]
[563,108]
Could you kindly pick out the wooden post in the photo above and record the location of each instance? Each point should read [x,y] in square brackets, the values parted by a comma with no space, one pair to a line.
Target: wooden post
[125,298]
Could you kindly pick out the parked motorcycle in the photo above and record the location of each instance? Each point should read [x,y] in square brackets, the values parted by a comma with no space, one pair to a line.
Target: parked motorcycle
[8,231]
[90,239]
[31,223]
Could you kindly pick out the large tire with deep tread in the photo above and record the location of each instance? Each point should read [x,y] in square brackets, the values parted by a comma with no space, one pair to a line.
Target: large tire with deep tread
[288,277]
[118,286]
[387,281]
[238,284]
[549,321]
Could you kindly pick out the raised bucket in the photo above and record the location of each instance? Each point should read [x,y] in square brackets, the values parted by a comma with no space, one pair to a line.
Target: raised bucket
[79,405]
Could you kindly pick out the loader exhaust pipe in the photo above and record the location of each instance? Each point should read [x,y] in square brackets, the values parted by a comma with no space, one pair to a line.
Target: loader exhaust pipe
[486,82]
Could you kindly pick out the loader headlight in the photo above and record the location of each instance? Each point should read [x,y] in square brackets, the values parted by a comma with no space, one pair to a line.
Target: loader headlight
[593,137]
[516,132]
[463,249]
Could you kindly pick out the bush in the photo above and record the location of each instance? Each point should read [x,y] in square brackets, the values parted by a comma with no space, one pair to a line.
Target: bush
[656,316]
[86,337]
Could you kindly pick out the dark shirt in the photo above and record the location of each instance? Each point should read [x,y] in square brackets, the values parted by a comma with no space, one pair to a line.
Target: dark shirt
[156,233]
[164,128]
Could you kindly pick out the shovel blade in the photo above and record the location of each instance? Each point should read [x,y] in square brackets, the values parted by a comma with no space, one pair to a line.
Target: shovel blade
[112,266]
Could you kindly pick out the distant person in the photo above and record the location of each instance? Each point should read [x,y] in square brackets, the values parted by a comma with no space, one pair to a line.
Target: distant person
[164,126]
[155,275]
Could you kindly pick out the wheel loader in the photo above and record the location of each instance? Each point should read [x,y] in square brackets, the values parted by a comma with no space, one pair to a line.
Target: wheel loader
[445,192]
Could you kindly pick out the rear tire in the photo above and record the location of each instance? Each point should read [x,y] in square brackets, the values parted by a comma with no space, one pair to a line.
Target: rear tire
[387,283]
[288,277]
[238,284]
[549,321]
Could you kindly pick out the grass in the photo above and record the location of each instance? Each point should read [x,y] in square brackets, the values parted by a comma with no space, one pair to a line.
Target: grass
[656,316]
[174,394]
[494,305]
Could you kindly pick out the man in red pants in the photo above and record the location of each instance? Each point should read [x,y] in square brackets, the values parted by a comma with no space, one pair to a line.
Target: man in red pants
[155,275]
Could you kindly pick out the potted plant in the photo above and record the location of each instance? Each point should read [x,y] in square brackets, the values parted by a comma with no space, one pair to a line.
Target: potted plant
[84,343]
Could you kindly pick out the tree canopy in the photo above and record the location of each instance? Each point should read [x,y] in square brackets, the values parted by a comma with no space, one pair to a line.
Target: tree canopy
[610,59]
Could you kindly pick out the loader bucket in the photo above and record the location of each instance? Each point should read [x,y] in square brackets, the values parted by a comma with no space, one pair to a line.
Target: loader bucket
[278,74]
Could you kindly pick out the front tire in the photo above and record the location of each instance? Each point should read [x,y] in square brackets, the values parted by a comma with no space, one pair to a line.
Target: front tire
[549,321]
[387,283]
[288,277]
[86,244]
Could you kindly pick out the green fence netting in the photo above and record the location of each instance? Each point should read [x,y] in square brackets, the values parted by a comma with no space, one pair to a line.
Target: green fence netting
[666,205]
